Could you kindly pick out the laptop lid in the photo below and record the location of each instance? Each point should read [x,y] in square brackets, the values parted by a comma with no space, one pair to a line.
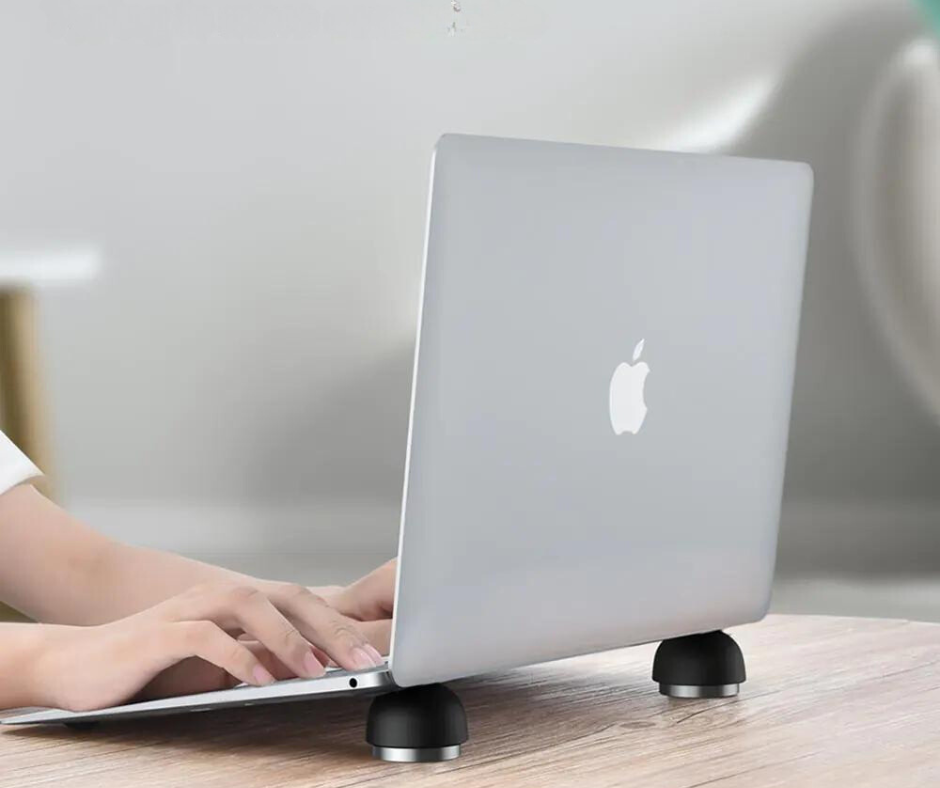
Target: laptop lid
[601,400]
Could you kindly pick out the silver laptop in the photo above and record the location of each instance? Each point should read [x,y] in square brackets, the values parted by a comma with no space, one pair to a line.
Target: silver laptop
[599,413]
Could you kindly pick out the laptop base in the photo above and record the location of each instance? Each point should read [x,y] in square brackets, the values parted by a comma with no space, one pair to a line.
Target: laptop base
[422,724]
[708,665]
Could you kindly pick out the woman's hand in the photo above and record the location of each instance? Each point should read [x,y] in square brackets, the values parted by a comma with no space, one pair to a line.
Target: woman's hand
[210,637]
[371,601]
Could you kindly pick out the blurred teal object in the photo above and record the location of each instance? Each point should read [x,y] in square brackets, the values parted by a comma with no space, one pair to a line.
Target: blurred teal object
[932,7]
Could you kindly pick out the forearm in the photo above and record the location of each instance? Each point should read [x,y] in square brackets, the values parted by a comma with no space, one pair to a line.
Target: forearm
[48,559]
[56,569]
[21,651]
[147,577]
[131,579]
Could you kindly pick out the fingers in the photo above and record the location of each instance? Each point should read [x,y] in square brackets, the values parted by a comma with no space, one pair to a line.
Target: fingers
[328,629]
[370,598]
[248,609]
[274,666]
[186,678]
[379,634]
[207,641]
[322,657]
[294,624]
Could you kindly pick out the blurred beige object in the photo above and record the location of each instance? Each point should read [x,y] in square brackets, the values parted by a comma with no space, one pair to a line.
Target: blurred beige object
[23,410]
[897,211]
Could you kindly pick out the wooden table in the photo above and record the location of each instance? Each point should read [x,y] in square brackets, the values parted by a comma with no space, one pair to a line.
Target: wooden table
[830,701]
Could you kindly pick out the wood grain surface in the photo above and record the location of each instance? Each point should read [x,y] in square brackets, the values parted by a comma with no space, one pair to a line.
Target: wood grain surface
[829,701]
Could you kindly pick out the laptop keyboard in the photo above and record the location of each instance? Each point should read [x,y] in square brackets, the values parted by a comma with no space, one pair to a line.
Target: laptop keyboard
[332,671]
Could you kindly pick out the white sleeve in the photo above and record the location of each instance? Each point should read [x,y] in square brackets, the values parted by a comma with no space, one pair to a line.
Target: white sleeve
[15,467]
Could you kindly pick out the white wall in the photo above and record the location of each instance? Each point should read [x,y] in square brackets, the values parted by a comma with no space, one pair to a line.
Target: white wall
[256,174]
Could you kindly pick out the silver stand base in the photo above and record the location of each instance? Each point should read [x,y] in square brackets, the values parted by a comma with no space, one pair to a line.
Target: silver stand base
[416,755]
[707,691]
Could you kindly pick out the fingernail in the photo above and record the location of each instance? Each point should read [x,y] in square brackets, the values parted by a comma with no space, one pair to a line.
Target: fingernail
[262,676]
[361,659]
[376,656]
[312,665]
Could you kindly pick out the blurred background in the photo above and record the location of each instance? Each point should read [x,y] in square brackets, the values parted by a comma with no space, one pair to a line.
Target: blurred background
[211,219]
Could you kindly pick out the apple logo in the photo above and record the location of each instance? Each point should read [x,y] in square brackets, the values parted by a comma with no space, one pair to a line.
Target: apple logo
[627,408]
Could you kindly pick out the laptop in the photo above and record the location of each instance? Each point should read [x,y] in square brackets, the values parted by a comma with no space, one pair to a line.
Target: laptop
[599,415]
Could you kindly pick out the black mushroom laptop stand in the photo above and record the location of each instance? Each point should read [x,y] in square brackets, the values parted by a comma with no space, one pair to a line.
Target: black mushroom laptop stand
[709,665]
[428,723]
[417,725]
